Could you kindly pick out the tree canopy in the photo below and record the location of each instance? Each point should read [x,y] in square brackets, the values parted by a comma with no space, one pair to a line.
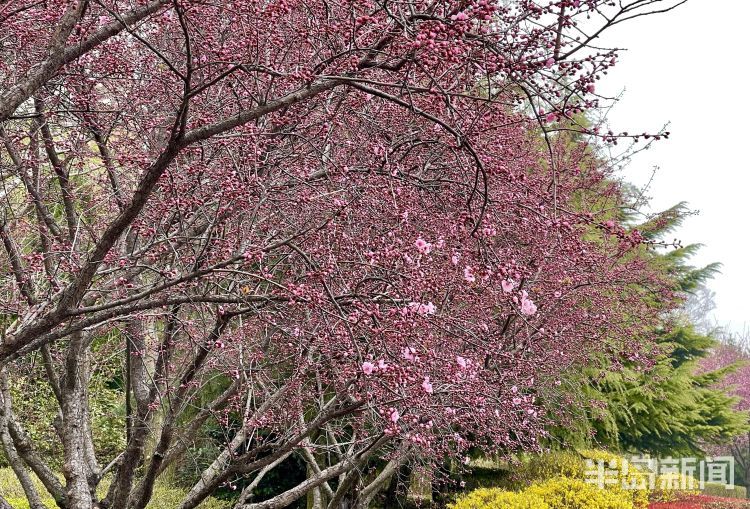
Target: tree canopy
[333,232]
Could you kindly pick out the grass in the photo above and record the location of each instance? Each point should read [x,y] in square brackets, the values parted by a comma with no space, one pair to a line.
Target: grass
[165,496]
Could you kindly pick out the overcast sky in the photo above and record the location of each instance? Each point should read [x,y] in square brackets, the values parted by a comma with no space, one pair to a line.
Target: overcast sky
[690,68]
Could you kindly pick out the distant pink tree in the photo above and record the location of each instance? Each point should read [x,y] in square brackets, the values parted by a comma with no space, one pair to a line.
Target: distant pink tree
[734,352]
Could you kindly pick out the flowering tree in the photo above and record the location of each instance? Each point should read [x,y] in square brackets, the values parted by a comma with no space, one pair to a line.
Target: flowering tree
[355,218]
[732,356]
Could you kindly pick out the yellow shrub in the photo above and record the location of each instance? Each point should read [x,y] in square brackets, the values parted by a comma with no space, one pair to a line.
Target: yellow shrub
[667,487]
[564,480]
[566,493]
[494,498]
[620,475]
[550,465]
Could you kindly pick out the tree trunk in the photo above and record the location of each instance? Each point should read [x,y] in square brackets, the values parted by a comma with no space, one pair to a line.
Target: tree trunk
[76,466]
[16,463]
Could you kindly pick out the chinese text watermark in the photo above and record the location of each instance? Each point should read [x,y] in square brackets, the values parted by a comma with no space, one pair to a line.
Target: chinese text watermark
[662,473]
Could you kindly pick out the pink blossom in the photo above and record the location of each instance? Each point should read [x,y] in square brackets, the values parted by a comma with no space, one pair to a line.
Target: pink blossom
[423,309]
[455,258]
[461,16]
[528,307]
[423,246]
[426,385]
[395,416]
[469,275]
[463,362]
[368,368]
[382,364]
[409,354]
[507,285]
[550,62]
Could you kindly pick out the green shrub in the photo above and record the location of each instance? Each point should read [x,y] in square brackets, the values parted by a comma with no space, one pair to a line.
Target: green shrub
[719,490]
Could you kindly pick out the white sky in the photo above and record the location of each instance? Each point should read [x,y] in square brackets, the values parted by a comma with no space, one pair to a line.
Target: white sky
[690,67]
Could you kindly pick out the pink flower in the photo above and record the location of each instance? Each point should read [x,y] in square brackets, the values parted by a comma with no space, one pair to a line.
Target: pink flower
[507,285]
[423,309]
[461,16]
[469,275]
[409,353]
[426,385]
[528,307]
[455,258]
[550,62]
[395,416]
[423,246]
[382,364]
[462,362]
[368,368]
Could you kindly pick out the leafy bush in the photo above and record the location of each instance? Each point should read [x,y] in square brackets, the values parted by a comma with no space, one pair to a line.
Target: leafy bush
[720,490]
[621,475]
[547,466]
[622,480]
[498,499]
[567,493]
[558,493]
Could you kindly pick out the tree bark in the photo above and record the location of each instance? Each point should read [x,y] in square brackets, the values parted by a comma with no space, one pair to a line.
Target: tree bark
[75,400]
[16,463]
